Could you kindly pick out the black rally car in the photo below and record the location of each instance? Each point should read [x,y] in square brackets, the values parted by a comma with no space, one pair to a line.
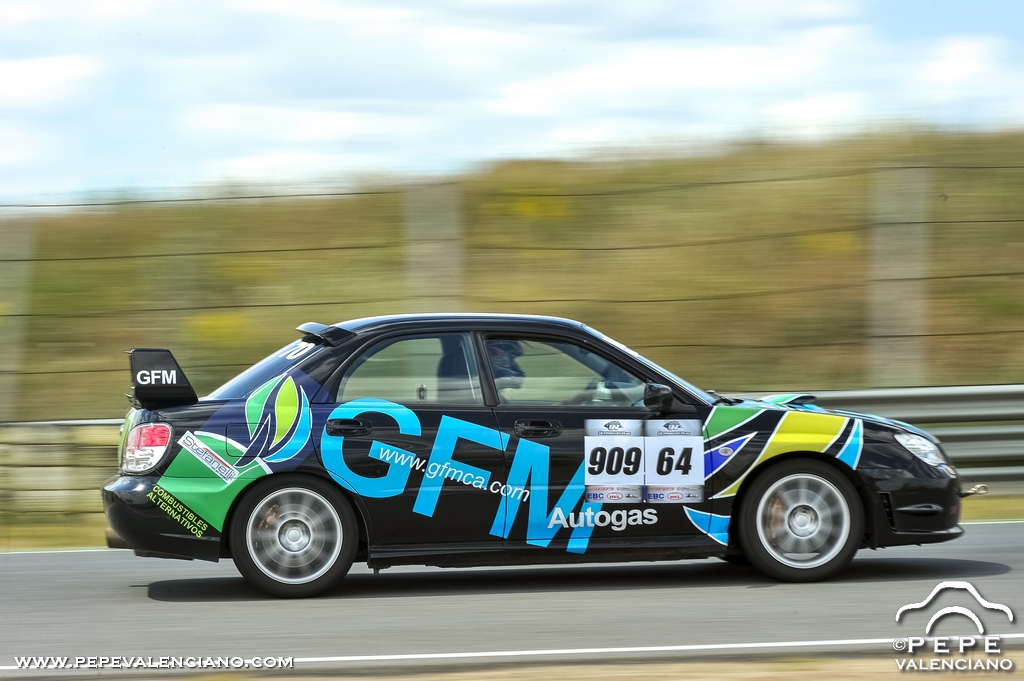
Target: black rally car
[459,440]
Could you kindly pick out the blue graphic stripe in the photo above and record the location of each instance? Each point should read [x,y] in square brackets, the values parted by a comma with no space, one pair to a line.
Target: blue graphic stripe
[714,459]
[850,453]
[714,526]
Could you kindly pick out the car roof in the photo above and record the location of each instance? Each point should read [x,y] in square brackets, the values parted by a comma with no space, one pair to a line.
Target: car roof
[369,323]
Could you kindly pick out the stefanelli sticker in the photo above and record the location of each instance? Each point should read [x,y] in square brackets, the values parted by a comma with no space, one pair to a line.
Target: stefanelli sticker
[166,502]
[208,457]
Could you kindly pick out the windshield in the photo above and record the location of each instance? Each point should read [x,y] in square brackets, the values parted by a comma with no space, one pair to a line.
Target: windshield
[643,360]
[276,364]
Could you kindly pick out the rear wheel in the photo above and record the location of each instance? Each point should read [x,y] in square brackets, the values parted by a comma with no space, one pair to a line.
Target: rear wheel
[294,536]
[801,521]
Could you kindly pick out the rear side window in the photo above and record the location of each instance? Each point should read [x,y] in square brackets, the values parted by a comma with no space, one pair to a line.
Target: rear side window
[276,364]
[419,370]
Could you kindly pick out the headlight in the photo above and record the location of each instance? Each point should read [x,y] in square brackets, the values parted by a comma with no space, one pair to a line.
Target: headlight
[922,448]
[146,445]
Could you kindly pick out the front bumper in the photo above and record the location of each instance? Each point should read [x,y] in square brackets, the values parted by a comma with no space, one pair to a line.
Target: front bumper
[919,504]
[152,530]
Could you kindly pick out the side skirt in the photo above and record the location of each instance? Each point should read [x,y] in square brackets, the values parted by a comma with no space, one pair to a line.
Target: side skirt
[501,553]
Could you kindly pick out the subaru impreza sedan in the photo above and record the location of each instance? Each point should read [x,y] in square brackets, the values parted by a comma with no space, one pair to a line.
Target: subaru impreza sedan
[464,440]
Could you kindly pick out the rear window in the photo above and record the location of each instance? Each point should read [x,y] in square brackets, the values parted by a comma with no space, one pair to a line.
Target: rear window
[276,364]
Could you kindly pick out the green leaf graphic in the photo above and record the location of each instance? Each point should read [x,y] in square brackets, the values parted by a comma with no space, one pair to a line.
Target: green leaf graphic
[254,405]
[286,408]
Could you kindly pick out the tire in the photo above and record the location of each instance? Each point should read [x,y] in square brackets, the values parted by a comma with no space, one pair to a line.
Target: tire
[801,521]
[294,536]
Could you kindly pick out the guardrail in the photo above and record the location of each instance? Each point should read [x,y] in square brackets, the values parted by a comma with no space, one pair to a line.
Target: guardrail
[58,467]
[953,414]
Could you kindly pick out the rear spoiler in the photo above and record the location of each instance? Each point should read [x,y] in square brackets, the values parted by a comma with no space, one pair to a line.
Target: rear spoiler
[158,381]
[315,332]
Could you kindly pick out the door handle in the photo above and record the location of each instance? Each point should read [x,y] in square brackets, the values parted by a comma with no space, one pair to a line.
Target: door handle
[532,428]
[348,427]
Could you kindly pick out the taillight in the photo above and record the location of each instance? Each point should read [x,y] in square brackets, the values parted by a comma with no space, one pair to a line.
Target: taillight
[146,444]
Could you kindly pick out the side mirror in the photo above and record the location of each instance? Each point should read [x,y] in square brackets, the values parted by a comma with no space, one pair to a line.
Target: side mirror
[658,398]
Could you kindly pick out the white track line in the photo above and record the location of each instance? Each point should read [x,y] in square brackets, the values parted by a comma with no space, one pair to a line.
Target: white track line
[605,651]
[848,642]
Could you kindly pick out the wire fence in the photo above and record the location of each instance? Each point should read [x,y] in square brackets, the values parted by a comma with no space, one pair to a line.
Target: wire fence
[716,311]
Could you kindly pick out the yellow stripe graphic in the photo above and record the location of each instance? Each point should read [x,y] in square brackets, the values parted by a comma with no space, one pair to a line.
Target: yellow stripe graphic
[797,432]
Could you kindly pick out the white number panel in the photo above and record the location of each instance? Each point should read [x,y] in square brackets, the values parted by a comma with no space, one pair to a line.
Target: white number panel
[674,461]
[614,452]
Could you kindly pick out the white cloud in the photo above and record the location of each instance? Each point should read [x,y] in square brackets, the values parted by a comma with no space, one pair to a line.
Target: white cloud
[323,10]
[296,88]
[43,80]
[18,14]
[640,77]
[960,61]
[19,146]
[286,164]
[268,124]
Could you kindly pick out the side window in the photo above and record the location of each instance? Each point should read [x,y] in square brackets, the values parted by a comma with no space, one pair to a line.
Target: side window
[424,369]
[534,372]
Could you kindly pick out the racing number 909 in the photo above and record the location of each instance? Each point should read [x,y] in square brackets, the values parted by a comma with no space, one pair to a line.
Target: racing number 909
[615,460]
[667,461]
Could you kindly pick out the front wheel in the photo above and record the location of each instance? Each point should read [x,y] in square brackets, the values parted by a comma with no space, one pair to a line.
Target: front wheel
[294,537]
[801,521]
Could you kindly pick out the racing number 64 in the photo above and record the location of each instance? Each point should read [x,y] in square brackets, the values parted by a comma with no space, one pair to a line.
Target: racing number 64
[667,461]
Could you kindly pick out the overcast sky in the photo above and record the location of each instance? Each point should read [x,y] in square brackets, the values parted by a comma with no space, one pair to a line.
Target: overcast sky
[112,94]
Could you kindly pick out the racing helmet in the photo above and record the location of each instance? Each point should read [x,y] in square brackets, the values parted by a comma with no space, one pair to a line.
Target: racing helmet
[506,371]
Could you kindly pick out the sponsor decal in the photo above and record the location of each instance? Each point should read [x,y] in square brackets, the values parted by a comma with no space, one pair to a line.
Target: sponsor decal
[209,458]
[156,377]
[625,494]
[972,651]
[167,503]
[279,421]
[677,428]
[674,494]
[618,520]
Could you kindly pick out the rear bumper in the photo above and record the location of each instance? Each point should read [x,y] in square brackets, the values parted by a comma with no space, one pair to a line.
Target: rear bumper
[151,530]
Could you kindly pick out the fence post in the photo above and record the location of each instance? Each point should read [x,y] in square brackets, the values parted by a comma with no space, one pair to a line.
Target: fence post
[433,248]
[898,261]
[17,241]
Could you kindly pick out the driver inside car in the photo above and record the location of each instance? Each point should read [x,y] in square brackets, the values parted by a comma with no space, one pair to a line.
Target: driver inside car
[507,373]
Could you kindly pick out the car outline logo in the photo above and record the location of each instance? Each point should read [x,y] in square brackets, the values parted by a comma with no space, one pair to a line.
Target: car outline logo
[955,609]
[614,425]
[672,425]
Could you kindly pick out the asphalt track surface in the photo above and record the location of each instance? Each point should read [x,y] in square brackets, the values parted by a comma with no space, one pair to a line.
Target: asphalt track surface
[112,603]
